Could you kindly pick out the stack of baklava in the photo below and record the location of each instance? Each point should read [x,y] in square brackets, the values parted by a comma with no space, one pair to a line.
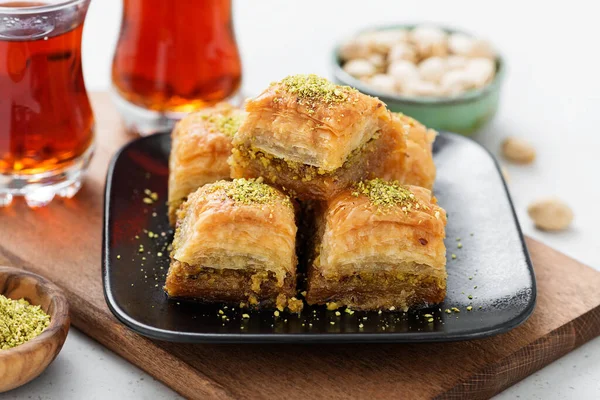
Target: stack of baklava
[356,177]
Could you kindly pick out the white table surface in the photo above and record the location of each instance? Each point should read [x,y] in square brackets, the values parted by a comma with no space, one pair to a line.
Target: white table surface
[551,97]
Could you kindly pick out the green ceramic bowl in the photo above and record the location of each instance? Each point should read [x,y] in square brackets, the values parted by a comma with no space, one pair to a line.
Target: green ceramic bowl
[463,114]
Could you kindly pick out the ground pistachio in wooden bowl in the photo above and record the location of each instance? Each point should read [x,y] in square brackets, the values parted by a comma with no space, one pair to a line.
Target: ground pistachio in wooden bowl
[447,79]
[20,322]
[34,322]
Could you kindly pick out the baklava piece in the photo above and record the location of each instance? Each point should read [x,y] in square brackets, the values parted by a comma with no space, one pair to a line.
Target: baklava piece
[417,168]
[235,242]
[201,145]
[379,245]
[313,138]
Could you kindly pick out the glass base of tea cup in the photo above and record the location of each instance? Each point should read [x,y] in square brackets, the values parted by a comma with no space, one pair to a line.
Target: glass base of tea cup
[40,189]
[144,122]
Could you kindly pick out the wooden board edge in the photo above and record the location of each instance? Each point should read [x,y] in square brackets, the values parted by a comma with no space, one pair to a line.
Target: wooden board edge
[527,360]
[146,355]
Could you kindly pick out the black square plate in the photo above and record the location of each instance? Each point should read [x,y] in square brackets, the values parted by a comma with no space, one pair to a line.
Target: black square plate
[490,277]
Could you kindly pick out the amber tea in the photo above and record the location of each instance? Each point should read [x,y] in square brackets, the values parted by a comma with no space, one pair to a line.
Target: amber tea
[174,57]
[46,121]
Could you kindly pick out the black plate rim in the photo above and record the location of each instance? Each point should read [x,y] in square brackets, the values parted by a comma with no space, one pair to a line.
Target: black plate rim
[388,337]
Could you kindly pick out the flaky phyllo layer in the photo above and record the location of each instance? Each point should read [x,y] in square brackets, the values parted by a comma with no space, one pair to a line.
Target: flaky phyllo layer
[239,225]
[416,167]
[308,120]
[200,147]
[379,235]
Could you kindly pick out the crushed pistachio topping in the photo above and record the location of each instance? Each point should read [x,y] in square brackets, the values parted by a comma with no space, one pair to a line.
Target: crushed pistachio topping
[20,322]
[387,194]
[249,191]
[311,88]
[226,124]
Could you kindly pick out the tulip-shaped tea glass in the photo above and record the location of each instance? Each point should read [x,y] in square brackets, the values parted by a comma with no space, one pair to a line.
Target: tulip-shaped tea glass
[46,121]
[173,57]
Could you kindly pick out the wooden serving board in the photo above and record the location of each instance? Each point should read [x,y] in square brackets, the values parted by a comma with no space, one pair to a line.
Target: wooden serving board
[62,242]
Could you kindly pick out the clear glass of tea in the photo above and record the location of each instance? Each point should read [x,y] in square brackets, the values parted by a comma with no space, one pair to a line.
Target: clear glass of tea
[173,57]
[46,121]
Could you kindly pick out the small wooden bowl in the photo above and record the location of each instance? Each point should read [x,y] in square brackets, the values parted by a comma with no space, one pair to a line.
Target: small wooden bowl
[23,363]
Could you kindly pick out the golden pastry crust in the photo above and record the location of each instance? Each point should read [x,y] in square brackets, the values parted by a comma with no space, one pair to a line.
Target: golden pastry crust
[308,120]
[309,183]
[201,145]
[372,255]
[239,237]
[417,168]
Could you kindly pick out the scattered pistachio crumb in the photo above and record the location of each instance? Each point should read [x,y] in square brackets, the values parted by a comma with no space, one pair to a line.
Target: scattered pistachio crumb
[470,297]
[245,316]
[379,312]
[458,239]
[427,315]
[361,325]
[455,309]
[448,311]
[349,311]
[430,320]
[221,312]
[337,313]
[276,313]
[392,308]
[453,256]
[331,323]
[332,306]
[118,257]
[459,245]
[469,308]
[159,254]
